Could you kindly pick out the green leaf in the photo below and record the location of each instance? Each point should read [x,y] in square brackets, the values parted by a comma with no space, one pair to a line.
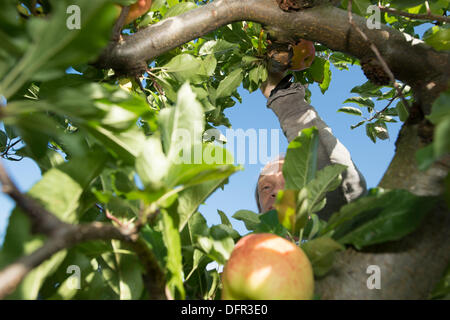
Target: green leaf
[67,289]
[317,70]
[327,77]
[191,198]
[438,37]
[174,264]
[129,273]
[54,46]
[285,205]
[193,257]
[186,67]
[382,217]
[301,159]
[125,145]
[381,131]
[442,288]
[425,157]
[250,218]
[370,132]
[19,241]
[224,219]
[179,8]
[402,111]
[182,126]
[269,223]
[361,101]
[172,3]
[218,245]
[358,6]
[230,83]
[350,110]
[219,47]
[321,252]
[367,89]
[327,179]
[215,163]
[441,142]
[441,108]
[59,191]
[152,164]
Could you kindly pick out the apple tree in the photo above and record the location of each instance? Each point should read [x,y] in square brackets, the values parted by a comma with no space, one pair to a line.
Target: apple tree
[119,119]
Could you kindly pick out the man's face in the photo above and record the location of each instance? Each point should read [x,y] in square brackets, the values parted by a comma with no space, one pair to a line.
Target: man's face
[270,182]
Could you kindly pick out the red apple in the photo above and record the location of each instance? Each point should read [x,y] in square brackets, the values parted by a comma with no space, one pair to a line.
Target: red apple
[265,266]
[304,54]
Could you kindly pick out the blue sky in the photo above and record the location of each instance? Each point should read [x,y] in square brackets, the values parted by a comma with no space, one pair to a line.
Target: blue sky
[372,159]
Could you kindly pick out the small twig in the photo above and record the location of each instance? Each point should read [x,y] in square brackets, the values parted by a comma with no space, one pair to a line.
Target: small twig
[427,16]
[377,54]
[9,146]
[113,218]
[387,106]
[427,6]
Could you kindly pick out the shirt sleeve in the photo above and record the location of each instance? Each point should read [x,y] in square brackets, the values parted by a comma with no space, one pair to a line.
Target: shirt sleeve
[295,114]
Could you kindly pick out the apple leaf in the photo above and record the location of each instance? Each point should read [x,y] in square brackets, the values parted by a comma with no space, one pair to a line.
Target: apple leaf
[327,179]
[301,159]
[321,252]
[326,78]
[350,110]
[174,265]
[379,217]
[230,83]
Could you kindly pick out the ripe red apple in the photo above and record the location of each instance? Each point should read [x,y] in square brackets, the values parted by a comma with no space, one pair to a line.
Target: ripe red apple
[265,266]
[304,54]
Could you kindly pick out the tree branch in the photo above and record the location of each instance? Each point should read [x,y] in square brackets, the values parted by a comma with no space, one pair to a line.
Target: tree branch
[42,221]
[62,235]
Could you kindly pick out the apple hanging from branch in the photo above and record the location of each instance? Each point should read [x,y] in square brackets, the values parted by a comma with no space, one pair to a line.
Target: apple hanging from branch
[265,266]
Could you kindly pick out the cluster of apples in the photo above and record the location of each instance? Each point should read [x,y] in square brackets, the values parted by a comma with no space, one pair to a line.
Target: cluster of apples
[267,267]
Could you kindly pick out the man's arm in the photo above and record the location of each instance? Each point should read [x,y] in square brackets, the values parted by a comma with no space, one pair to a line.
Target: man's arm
[295,114]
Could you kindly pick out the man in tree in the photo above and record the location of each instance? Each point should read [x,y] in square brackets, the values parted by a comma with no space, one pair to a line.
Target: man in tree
[286,99]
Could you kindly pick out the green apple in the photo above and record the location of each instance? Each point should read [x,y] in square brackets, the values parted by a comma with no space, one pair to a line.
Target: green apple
[265,266]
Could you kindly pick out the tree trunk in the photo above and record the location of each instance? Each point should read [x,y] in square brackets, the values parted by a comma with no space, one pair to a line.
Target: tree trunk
[409,267]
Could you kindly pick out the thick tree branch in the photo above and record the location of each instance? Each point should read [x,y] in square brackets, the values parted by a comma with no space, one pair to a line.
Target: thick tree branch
[62,235]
